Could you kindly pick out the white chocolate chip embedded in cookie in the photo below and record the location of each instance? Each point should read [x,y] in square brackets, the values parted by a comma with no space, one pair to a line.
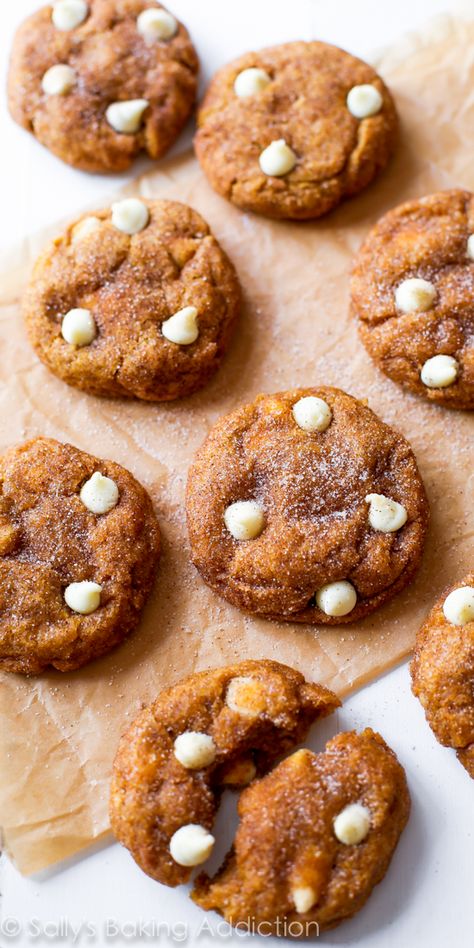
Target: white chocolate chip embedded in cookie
[385,514]
[99,494]
[127,117]
[364,101]
[245,519]
[182,327]
[278,159]
[458,607]
[83,597]
[245,696]
[415,295]
[67,14]
[304,897]
[470,247]
[440,371]
[336,599]
[250,82]
[58,80]
[78,327]
[85,228]
[130,215]
[191,845]
[312,414]
[194,750]
[352,825]
[156,25]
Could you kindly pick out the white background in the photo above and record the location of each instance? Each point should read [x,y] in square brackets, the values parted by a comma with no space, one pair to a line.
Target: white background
[426,898]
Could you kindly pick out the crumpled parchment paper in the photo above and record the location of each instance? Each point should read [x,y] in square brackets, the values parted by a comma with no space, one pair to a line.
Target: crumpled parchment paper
[59,732]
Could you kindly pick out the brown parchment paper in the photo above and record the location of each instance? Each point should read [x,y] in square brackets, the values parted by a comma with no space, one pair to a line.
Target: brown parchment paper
[59,732]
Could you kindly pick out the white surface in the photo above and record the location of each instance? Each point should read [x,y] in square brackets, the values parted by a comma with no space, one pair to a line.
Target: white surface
[427,893]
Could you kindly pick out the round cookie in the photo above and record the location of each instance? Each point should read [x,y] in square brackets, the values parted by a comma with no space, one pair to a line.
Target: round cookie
[412,292]
[315,836]
[79,547]
[304,506]
[292,130]
[97,82]
[137,300]
[442,670]
[215,729]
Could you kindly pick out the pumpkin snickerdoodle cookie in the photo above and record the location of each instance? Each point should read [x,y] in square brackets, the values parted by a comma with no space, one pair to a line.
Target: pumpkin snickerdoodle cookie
[292,130]
[315,836]
[137,300]
[98,81]
[442,670]
[304,506]
[79,547]
[214,729]
[413,294]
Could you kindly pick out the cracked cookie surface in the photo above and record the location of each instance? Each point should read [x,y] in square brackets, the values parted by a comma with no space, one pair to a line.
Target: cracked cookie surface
[249,713]
[50,539]
[442,674]
[312,490]
[110,61]
[130,285]
[428,240]
[287,866]
[305,104]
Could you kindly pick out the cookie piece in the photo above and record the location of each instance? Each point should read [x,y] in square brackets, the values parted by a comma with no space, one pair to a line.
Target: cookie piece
[292,130]
[412,291]
[79,547]
[97,82]
[214,729]
[315,836]
[442,670]
[137,300]
[343,510]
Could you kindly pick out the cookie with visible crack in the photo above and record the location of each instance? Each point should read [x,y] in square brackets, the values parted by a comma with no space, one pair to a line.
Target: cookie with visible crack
[412,292]
[136,300]
[215,729]
[314,838]
[304,506]
[99,81]
[292,130]
[442,670]
[79,548]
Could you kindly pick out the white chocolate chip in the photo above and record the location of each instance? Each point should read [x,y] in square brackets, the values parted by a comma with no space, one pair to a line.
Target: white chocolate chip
[58,80]
[352,824]
[470,247]
[78,327]
[182,327]
[385,514]
[363,101]
[415,295]
[244,696]
[194,750]
[127,117]
[244,519]
[84,228]
[67,14]
[312,414]
[191,845]
[99,494]
[83,597]
[278,159]
[130,216]
[304,897]
[439,372]
[336,599]
[459,605]
[250,82]
[156,25]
